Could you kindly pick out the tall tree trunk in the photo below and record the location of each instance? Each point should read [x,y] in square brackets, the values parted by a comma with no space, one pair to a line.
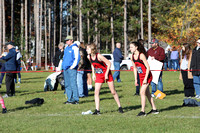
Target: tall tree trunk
[77,26]
[4,23]
[61,11]
[88,26]
[50,44]
[26,30]
[54,28]
[112,28]
[71,24]
[12,20]
[125,28]
[141,19]
[149,23]
[37,31]
[22,24]
[45,32]
[80,22]
[0,25]
[40,34]
[67,19]
[30,27]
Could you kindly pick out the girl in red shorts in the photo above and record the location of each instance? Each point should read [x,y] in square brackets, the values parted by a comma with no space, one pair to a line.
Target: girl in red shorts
[141,66]
[101,73]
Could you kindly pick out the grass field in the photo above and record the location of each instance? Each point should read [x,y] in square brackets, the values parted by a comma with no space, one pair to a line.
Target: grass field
[54,116]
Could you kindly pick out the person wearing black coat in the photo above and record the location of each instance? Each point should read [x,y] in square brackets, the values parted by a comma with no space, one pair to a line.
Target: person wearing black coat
[195,68]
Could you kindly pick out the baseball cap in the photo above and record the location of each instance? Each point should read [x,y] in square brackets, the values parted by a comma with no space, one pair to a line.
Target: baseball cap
[68,38]
[154,41]
[10,43]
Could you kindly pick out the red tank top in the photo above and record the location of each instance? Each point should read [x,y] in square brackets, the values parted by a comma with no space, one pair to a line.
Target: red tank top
[99,66]
[141,68]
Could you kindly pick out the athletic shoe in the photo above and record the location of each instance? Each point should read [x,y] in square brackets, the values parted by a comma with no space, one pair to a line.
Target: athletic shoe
[5,96]
[153,112]
[120,110]
[197,97]
[75,102]
[152,95]
[67,102]
[136,94]
[142,114]
[96,112]
[4,110]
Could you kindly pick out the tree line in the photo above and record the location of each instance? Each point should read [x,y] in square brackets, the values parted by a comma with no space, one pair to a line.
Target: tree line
[38,26]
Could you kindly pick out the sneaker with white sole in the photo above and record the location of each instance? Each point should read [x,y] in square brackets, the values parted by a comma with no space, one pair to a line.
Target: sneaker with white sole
[152,95]
[153,112]
[197,97]
[142,114]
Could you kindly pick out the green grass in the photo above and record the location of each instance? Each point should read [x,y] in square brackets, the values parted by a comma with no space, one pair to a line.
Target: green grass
[54,116]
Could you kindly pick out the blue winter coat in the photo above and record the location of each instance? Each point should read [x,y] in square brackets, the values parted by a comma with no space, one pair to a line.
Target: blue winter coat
[10,59]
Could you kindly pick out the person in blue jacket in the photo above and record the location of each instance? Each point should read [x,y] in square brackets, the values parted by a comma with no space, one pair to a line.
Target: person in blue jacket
[10,67]
[117,55]
[70,63]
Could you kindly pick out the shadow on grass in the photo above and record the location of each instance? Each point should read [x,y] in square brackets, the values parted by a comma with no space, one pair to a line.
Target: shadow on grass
[31,93]
[129,108]
[174,107]
[173,92]
[33,81]
[101,99]
[103,92]
[24,107]
[32,78]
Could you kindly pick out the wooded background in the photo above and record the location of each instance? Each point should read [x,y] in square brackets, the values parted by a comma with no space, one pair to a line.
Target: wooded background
[38,26]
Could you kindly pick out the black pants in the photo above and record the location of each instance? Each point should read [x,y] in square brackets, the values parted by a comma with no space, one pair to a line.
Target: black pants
[188,84]
[10,85]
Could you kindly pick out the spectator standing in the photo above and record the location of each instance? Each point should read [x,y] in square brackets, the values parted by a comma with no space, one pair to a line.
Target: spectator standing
[82,73]
[18,63]
[186,75]
[158,53]
[169,59]
[70,64]
[30,63]
[141,66]
[175,58]
[10,66]
[195,67]
[3,69]
[56,60]
[117,55]
[59,54]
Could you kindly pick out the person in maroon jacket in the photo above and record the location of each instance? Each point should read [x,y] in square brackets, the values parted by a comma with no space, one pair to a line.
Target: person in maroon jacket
[158,53]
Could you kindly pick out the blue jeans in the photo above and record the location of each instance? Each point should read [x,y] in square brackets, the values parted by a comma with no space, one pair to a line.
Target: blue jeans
[165,65]
[196,82]
[71,89]
[169,64]
[82,83]
[175,64]
[116,74]
[160,85]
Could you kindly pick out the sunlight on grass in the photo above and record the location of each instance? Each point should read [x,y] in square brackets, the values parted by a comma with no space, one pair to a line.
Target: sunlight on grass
[55,116]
